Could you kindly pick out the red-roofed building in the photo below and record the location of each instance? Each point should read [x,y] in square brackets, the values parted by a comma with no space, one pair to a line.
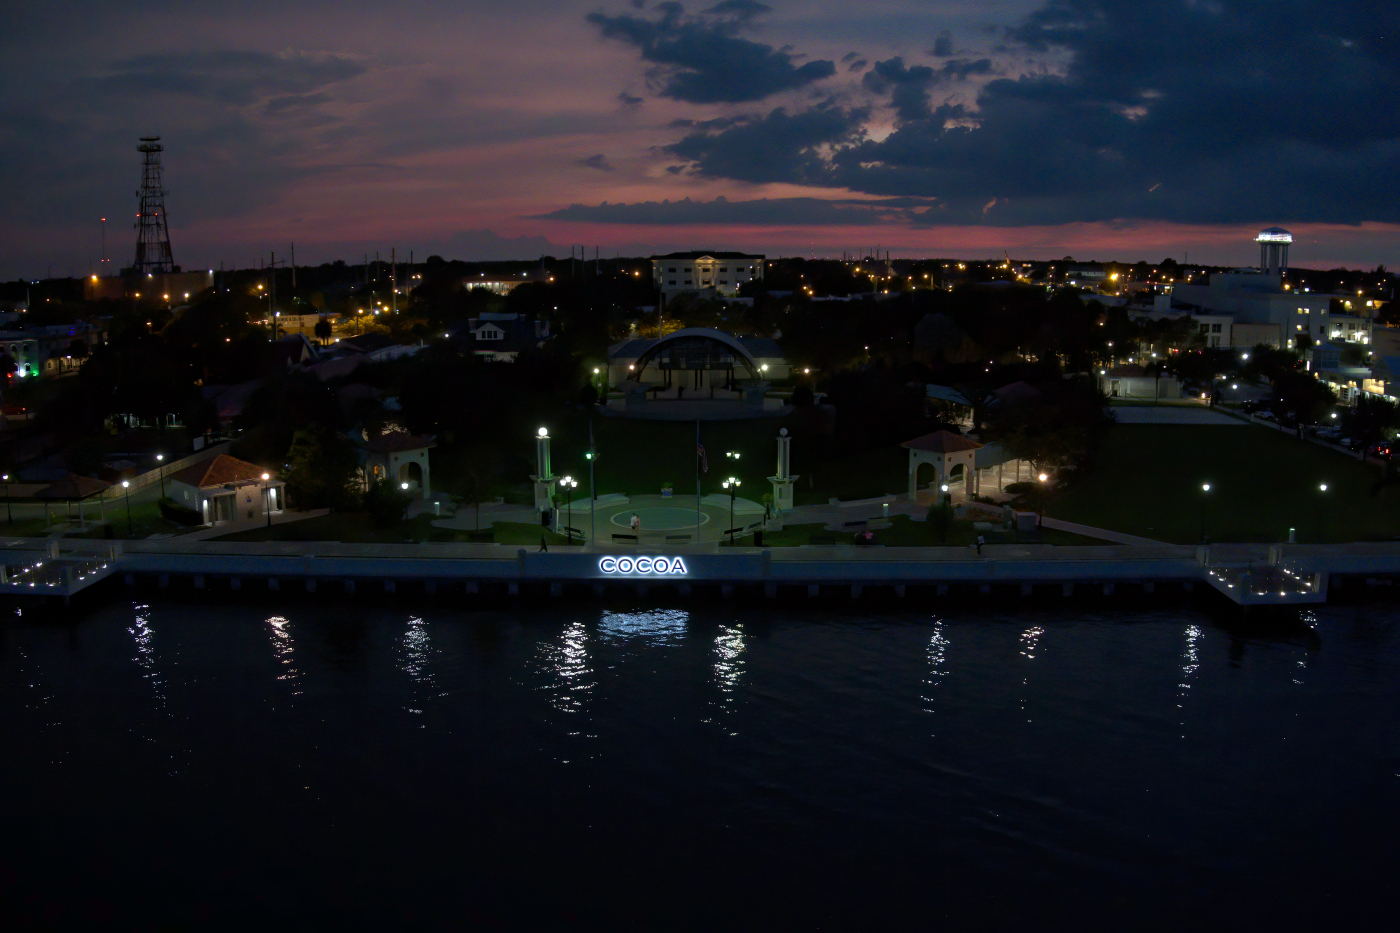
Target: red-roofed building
[226,489]
[398,457]
[952,457]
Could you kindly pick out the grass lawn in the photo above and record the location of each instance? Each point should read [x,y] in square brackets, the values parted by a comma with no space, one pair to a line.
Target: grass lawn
[636,456]
[1147,481]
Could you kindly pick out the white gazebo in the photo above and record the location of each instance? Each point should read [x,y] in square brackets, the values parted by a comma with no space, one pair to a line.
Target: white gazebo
[952,456]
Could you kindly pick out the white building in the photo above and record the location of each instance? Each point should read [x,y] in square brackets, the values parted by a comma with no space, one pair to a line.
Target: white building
[704,272]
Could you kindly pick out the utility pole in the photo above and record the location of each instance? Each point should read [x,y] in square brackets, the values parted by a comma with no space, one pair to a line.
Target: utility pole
[393,280]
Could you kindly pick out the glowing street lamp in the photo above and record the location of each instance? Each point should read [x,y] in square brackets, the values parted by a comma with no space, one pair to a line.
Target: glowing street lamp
[570,484]
[9,509]
[126,485]
[160,465]
[267,499]
[1205,489]
[732,485]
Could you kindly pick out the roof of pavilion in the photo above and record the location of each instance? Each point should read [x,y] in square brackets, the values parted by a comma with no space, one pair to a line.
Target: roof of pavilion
[73,487]
[941,442]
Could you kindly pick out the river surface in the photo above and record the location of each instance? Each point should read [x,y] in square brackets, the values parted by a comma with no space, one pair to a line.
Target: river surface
[404,765]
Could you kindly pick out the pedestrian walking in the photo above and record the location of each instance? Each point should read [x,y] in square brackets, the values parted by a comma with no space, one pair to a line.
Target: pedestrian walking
[980,541]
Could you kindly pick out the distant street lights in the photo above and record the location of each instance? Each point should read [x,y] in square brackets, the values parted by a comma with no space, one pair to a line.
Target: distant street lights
[1205,490]
[732,485]
[126,485]
[570,484]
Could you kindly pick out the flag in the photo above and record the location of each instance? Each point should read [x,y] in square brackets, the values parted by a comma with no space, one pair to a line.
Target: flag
[704,461]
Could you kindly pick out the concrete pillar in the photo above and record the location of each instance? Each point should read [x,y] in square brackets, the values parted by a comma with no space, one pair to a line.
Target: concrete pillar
[512,589]
[473,588]
[556,588]
[163,581]
[899,590]
[430,587]
[814,589]
[274,584]
[310,585]
[199,582]
[984,589]
[1108,589]
[390,586]
[235,584]
[1148,587]
[856,590]
[726,589]
[1025,589]
[770,590]
[684,588]
[350,587]
[129,579]
[942,589]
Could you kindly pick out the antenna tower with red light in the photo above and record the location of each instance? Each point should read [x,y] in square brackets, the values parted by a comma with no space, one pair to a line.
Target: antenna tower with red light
[153,236]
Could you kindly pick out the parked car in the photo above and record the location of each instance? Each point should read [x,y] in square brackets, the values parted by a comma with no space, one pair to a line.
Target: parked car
[1264,415]
[1381,451]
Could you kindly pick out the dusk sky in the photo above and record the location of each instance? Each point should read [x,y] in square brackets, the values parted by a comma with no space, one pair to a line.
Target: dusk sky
[1107,129]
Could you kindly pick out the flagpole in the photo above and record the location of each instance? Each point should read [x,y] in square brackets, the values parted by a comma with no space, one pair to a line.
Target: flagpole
[592,491]
[697,480]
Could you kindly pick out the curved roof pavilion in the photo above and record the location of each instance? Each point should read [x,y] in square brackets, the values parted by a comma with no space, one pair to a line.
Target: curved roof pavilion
[697,348]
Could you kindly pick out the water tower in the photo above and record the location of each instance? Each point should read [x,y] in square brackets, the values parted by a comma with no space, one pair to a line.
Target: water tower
[1273,250]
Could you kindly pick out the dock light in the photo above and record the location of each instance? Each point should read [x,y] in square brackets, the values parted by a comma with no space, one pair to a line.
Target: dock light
[544,432]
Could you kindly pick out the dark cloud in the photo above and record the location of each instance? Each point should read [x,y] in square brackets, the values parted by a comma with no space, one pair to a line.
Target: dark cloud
[813,212]
[1187,112]
[599,162]
[628,100]
[230,77]
[858,65]
[779,147]
[701,59]
[943,45]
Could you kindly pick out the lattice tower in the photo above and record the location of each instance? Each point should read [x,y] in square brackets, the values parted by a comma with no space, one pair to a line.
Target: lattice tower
[153,236]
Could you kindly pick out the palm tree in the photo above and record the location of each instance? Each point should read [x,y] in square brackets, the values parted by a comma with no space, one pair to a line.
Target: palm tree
[323,330]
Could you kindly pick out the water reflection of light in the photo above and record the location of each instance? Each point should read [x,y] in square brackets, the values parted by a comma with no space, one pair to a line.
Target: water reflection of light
[729,667]
[283,649]
[1030,638]
[414,654]
[1190,662]
[140,630]
[571,681]
[937,667]
[658,626]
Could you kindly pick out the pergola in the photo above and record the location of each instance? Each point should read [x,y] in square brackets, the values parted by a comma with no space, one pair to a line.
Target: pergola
[72,489]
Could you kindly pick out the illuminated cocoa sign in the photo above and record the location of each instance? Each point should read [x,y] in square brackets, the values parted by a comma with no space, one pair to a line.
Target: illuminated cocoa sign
[636,566]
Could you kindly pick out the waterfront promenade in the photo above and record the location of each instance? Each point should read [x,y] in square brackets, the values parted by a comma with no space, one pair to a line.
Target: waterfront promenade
[1246,574]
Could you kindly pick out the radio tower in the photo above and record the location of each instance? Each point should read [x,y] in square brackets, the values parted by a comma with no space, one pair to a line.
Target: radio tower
[153,236]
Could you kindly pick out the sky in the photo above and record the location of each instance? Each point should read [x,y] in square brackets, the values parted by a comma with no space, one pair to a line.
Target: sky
[1099,129]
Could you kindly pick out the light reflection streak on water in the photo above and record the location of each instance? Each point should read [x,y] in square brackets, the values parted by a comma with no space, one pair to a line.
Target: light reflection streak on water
[729,667]
[1190,662]
[1309,619]
[937,670]
[1030,640]
[414,654]
[657,626]
[569,676]
[141,632]
[284,649]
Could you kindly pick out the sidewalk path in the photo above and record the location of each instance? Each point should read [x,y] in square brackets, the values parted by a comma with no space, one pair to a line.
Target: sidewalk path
[1103,534]
[230,528]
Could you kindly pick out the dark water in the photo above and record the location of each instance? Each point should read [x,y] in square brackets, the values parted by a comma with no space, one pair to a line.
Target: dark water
[399,766]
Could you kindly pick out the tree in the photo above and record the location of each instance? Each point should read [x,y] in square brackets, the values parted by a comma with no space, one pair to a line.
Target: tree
[321,470]
[323,330]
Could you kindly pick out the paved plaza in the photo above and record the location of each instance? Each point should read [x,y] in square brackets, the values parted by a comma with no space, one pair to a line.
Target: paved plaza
[1171,414]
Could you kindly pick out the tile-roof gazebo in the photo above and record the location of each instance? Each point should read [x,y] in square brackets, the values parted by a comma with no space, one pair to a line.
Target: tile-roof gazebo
[952,456]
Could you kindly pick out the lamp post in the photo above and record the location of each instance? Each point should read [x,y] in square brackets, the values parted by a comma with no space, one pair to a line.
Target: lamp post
[570,484]
[1205,490]
[126,485]
[267,499]
[732,485]
[160,465]
[9,509]
[1321,488]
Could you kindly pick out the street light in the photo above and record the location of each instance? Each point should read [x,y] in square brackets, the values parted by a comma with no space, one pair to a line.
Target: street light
[267,499]
[126,484]
[732,485]
[9,509]
[1205,488]
[1321,499]
[160,465]
[569,483]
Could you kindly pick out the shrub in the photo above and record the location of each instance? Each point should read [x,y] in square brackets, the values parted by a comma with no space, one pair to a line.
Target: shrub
[1017,489]
[386,504]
